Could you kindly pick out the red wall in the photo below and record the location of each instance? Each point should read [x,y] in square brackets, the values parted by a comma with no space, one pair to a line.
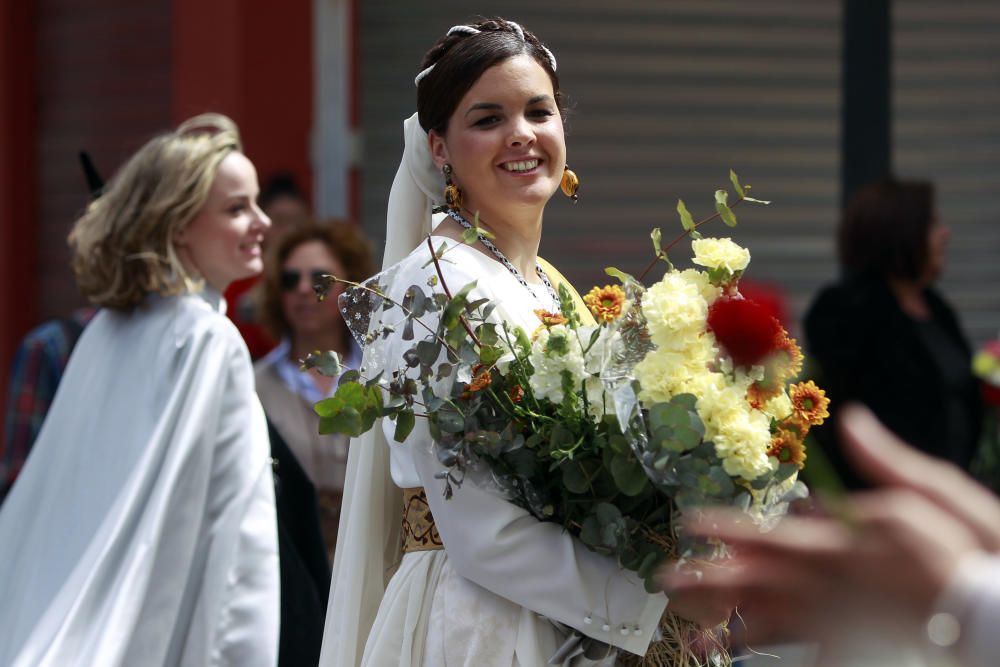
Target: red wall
[18,249]
[251,60]
[105,75]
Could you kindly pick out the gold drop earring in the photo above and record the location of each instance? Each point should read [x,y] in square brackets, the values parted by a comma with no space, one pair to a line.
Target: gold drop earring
[452,193]
[570,184]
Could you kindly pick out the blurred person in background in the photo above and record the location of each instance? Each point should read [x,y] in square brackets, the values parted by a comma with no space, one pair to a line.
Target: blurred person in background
[884,336]
[35,373]
[285,203]
[291,312]
[287,206]
[142,528]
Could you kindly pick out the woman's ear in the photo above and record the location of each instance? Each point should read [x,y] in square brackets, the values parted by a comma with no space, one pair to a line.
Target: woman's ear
[438,147]
[179,239]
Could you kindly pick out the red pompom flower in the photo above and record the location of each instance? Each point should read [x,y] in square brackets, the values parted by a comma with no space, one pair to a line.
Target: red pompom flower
[745,330]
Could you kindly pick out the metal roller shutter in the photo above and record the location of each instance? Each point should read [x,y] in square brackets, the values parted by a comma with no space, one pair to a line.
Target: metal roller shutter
[946,110]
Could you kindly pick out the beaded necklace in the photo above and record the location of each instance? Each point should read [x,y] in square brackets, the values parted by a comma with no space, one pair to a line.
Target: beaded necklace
[457,217]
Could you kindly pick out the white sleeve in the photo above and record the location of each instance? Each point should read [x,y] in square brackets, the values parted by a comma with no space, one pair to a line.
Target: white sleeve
[538,565]
[973,598]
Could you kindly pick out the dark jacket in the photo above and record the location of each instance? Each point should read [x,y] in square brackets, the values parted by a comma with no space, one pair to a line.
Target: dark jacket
[305,572]
[863,347]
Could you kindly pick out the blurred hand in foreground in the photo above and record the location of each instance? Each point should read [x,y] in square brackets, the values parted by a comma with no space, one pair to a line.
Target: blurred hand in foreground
[875,565]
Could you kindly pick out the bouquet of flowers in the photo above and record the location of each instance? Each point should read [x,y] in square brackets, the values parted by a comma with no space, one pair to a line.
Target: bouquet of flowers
[986,367]
[613,423]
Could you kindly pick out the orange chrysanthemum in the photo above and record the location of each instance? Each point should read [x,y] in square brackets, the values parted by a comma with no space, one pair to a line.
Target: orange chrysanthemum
[480,380]
[549,320]
[809,402]
[516,393]
[787,357]
[606,303]
[788,448]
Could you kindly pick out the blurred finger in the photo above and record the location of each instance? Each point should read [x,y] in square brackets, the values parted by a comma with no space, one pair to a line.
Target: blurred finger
[887,460]
[795,535]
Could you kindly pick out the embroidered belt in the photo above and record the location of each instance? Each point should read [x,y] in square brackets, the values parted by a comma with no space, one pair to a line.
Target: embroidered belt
[419,531]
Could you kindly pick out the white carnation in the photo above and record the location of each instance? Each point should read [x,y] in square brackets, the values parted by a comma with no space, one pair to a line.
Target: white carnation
[554,352]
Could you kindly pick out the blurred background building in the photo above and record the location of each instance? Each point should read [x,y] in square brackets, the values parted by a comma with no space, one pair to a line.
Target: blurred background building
[804,99]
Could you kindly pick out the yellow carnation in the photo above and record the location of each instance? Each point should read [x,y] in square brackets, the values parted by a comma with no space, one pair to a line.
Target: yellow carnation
[720,254]
[778,407]
[675,311]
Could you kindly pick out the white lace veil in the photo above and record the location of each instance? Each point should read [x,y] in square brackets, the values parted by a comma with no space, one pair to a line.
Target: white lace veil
[368,540]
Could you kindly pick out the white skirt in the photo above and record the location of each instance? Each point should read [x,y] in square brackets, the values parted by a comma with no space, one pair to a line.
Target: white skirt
[431,616]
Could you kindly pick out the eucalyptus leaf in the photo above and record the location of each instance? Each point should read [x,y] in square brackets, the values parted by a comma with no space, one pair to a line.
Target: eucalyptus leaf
[687,437]
[347,421]
[470,236]
[657,237]
[349,376]
[449,420]
[405,421]
[473,306]
[620,275]
[411,357]
[726,213]
[785,471]
[607,513]
[328,407]
[688,401]
[427,351]
[628,475]
[489,354]
[326,363]
[487,334]
[743,500]
[736,184]
[723,480]
[524,462]
[576,478]
[687,222]
[648,566]
[590,533]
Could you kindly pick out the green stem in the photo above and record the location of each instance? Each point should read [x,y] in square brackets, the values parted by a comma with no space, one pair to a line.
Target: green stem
[444,286]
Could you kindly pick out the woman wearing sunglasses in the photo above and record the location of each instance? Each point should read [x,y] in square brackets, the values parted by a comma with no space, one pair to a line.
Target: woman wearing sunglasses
[292,314]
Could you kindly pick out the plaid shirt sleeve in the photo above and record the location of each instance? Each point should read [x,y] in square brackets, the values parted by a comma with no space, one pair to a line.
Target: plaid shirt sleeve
[35,373]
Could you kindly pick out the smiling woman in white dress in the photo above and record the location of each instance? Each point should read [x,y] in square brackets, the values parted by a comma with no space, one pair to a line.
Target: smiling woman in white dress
[480,581]
[142,529]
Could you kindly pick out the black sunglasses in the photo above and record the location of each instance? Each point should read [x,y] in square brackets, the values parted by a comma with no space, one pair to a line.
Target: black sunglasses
[290,278]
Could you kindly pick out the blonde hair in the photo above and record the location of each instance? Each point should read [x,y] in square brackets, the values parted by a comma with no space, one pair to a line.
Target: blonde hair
[123,243]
